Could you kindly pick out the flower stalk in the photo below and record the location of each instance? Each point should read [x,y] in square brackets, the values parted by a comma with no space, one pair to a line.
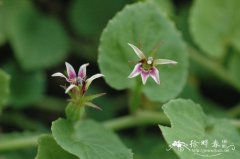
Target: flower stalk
[135,97]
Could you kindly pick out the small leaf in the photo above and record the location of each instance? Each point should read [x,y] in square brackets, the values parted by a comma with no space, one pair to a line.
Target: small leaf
[4,88]
[215,25]
[143,22]
[49,149]
[188,122]
[38,42]
[89,140]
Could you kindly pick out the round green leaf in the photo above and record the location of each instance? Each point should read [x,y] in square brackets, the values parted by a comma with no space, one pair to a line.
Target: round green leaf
[214,25]
[89,140]
[88,18]
[49,149]
[26,87]
[143,22]
[38,41]
[4,88]
[188,122]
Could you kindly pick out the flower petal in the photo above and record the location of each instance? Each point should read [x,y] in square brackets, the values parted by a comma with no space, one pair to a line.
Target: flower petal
[139,53]
[70,71]
[89,81]
[144,75]
[155,75]
[136,71]
[70,87]
[59,74]
[164,61]
[82,71]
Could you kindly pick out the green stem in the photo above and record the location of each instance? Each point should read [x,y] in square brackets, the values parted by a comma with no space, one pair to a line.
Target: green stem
[212,66]
[135,97]
[74,112]
[138,119]
[19,143]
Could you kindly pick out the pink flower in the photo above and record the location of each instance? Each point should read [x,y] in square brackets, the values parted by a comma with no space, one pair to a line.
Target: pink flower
[79,79]
[147,66]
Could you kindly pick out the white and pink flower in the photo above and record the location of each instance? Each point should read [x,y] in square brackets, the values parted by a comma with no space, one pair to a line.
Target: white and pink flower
[147,66]
[79,79]
[79,85]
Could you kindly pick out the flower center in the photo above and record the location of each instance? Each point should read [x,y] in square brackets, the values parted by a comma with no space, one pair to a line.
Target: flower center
[150,60]
[79,81]
[147,64]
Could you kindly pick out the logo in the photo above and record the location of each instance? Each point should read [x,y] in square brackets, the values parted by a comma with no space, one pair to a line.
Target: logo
[204,148]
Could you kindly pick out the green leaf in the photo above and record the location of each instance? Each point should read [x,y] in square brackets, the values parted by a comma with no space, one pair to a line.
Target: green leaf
[143,22]
[26,87]
[4,88]
[188,122]
[215,25]
[49,149]
[89,140]
[38,41]
[88,18]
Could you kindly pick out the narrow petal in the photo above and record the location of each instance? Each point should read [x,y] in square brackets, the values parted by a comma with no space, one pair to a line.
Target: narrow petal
[91,97]
[139,53]
[70,87]
[136,71]
[155,75]
[93,105]
[144,75]
[82,71]
[89,81]
[59,74]
[163,62]
[70,71]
